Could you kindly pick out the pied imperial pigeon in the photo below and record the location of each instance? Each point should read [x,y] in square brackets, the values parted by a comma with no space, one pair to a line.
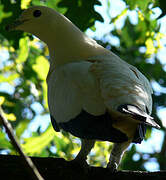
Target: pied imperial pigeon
[92,93]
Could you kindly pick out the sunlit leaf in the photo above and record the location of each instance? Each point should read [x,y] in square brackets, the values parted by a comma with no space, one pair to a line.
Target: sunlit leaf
[35,145]
[102,153]
[141,16]
[25,3]
[150,46]
[142,5]
[9,78]
[158,38]
[2,99]
[41,67]
[23,50]
[4,14]
[10,117]
[148,133]
[22,126]
[123,13]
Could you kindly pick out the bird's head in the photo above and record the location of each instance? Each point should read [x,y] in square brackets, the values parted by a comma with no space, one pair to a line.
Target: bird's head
[37,20]
[58,32]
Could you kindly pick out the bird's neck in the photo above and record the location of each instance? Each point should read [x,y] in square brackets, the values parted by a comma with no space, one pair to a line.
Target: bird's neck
[69,49]
[73,50]
[67,43]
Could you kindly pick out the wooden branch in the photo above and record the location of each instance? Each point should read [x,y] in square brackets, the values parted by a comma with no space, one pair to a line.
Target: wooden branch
[57,168]
[26,161]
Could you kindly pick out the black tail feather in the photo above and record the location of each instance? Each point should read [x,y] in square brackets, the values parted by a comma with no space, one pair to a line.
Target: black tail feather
[137,114]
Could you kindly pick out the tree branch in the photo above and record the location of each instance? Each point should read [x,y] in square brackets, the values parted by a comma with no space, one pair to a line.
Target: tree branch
[58,168]
[26,161]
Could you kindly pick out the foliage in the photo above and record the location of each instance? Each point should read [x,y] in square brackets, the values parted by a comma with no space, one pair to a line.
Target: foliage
[23,74]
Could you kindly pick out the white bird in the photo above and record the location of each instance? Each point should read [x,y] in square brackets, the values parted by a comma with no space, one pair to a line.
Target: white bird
[92,93]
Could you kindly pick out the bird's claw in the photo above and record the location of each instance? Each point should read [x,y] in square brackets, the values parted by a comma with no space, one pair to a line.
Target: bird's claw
[81,164]
[112,167]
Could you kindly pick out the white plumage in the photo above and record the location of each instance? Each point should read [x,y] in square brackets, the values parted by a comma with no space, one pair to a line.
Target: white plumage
[74,88]
[122,83]
[96,84]
[92,93]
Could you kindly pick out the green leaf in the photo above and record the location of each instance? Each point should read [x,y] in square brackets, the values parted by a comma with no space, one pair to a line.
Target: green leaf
[76,12]
[25,4]
[123,13]
[142,5]
[148,133]
[41,67]
[9,12]
[35,145]
[23,50]
[4,143]
[3,14]
[21,127]
[10,78]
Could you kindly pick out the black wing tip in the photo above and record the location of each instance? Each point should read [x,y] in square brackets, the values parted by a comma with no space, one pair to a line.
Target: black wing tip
[154,125]
[138,115]
[157,127]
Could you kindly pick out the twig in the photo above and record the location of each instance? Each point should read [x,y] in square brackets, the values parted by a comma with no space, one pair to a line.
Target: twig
[29,166]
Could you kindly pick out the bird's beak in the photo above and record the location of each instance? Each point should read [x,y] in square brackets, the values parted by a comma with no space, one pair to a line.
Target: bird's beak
[15,24]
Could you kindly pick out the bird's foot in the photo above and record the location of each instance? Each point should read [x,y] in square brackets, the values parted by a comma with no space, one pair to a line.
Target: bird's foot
[79,163]
[112,167]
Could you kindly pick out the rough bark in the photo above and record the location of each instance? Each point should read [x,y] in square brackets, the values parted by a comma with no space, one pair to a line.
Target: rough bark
[11,168]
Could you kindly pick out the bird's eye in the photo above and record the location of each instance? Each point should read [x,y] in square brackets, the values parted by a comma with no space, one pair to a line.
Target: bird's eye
[37,13]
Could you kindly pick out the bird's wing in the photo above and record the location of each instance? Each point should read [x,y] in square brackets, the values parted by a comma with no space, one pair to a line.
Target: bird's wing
[76,104]
[121,83]
[81,93]
[71,89]
[123,86]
